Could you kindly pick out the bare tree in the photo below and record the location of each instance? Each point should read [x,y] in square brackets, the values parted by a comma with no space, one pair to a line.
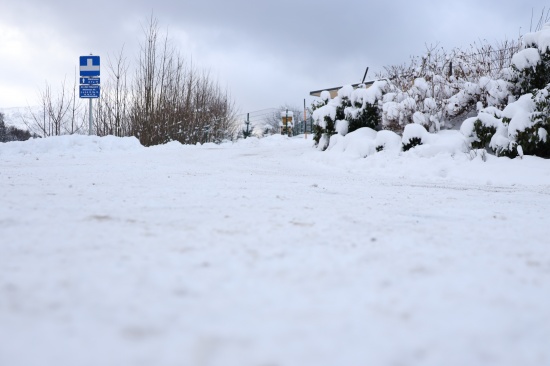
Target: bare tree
[543,19]
[59,114]
[112,112]
[172,100]
[166,99]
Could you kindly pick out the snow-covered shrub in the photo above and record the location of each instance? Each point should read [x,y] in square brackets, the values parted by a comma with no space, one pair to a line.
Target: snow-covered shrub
[447,85]
[434,92]
[366,115]
[531,66]
[364,110]
[350,110]
[483,134]
[479,130]
[342,127]
[412,142]
[514,120]
[483,93]
[364,142]
[523,124]
[327,114]
[359,143]
[387,141]
[532,137]
[495,92]
[414,135]
[521,128]
[400,108]
[324,116]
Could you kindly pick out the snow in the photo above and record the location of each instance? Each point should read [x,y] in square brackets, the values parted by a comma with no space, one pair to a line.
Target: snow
[346,91]
[542,134]
[320,113]
[342,126]
[269,252]
[388,140]
[446,142]
[430,105]
[497,91]
[72,143]
[527,58]
[540,39]
[325,95]
[371,94]
[390,111]
[358,144]
[420,118]
[408,104]
[414,130]
[519,113]
[421,84]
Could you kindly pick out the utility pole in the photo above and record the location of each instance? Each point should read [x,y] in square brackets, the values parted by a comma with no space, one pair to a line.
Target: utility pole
[247,124]
[305,120]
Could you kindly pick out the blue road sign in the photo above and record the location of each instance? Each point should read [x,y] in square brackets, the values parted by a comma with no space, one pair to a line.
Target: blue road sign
[89,91]
[89,81]
[89,65]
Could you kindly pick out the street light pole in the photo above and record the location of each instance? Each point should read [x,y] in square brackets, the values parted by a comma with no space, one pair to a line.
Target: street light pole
[247,124]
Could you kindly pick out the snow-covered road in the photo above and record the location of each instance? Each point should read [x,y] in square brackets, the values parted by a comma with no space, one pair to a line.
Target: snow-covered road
[268,252]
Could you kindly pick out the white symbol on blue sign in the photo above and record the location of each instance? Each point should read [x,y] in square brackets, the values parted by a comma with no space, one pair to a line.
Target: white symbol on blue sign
[89,80]
[89,65]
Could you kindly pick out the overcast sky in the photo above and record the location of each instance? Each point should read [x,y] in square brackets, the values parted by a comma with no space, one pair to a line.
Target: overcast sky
[267,53]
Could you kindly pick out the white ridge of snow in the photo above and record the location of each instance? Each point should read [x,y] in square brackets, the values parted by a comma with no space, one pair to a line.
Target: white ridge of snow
[269,252]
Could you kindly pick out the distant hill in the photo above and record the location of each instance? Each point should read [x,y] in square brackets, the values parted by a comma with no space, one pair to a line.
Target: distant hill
[17,115]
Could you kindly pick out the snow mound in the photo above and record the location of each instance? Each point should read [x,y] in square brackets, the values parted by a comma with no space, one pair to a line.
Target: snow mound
[449,142]
[365,142]
[359,143]
[70,143]
[415,130]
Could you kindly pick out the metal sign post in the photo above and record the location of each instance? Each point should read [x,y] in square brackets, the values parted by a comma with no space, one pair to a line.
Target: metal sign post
[91,118]
[89,83]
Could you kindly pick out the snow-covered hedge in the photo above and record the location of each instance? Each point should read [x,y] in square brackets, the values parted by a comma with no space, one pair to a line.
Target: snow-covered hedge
[510,107]
[522,126]
[350,110]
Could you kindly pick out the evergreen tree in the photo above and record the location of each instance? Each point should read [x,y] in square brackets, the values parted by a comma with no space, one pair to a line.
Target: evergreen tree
[369,116]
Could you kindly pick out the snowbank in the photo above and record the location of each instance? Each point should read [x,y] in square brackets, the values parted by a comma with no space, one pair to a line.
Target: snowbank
[70,143]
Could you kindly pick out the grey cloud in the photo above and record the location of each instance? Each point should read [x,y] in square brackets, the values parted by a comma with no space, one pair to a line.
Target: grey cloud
[298,45]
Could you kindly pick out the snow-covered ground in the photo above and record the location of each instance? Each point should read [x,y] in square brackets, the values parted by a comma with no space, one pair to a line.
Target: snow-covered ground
[269,252]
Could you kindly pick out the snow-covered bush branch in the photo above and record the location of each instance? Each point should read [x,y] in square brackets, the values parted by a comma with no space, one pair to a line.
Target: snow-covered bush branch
[522,126]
